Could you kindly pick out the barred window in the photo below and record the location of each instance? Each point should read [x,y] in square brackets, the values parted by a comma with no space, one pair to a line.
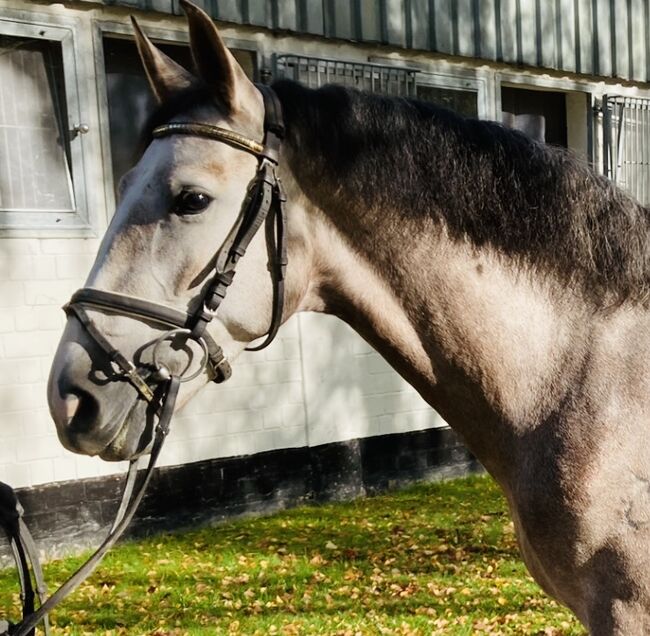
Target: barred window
[398,81]
[377,78]
[626,137]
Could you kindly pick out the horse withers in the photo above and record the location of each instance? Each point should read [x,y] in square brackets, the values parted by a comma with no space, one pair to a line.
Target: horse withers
[502,278]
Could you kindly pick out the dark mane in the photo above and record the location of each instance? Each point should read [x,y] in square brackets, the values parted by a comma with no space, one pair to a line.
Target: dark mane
[488,184]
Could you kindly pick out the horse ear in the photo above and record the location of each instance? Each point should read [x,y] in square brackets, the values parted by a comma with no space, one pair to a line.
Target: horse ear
[214,63]
[166,77]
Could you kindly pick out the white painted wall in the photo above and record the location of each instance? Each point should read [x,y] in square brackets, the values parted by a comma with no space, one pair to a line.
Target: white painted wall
[350,390]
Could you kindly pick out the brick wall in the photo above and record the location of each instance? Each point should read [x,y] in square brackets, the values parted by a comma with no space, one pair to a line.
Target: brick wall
[317,383]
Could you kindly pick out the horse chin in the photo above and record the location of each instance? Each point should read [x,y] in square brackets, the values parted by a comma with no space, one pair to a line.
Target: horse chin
[133,437]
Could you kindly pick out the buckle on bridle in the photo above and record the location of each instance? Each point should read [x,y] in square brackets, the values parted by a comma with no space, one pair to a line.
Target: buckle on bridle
[218,289]
[134,377]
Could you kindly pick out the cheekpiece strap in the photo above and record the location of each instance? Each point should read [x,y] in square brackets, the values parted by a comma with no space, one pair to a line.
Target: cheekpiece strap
[273,123]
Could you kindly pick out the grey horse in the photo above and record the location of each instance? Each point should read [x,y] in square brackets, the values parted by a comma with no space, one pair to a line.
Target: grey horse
[502,278]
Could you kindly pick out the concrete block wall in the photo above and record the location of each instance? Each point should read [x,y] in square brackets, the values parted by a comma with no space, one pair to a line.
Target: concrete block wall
[318,382]
[36,277]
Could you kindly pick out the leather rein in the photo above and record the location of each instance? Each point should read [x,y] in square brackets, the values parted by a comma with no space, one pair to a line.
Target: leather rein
[155,383]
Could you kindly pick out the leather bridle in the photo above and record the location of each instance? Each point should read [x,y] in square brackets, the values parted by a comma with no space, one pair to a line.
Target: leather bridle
[155,383]
[264,202]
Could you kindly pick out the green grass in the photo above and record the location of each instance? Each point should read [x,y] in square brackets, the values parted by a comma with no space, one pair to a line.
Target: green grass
[432,559]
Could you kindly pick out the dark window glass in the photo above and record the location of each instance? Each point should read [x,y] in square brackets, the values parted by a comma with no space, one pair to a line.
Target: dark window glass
[130,101]
[461,101]
[540,114]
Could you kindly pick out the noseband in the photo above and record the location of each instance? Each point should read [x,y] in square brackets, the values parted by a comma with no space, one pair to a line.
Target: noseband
[155,383]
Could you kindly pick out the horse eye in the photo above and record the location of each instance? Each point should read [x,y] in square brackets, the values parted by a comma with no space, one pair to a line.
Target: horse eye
[190,202]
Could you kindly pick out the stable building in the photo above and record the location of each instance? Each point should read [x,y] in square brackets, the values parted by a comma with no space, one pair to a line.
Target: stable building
[319,414]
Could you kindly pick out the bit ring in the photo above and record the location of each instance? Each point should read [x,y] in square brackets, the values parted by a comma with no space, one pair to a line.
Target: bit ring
[162,371]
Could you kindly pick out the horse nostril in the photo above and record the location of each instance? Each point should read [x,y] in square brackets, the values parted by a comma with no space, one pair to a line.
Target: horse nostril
[82,411]
[74,409]
[69,406]
[75,413]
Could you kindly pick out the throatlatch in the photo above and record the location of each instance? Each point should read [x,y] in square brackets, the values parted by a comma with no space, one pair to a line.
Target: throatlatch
[155,383]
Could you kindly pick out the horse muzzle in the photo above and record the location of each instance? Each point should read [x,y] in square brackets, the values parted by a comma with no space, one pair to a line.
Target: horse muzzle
[90,410]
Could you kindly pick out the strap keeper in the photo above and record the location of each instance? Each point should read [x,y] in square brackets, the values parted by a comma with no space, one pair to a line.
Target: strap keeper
[221,369]
[239,251]
[279,190]
[204,316]
[201,324]
[277,129]
[217,293]
[271,152]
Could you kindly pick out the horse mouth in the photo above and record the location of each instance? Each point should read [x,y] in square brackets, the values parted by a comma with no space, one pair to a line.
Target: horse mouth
[130,439]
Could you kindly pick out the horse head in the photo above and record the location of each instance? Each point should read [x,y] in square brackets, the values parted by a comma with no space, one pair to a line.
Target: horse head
[180,209]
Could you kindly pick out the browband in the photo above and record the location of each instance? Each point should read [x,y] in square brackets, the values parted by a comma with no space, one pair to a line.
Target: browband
[211,132]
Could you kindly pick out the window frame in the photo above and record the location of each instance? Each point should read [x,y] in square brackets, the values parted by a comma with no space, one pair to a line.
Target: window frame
[459,81]
[441,73]
[578,89]
[121,30]
[83,220]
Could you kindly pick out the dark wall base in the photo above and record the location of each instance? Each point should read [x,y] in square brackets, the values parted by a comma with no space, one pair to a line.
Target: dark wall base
[67,516]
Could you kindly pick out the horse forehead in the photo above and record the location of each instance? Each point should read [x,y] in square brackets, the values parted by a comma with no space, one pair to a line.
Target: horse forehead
[166,163]
[207,159]
[188,160]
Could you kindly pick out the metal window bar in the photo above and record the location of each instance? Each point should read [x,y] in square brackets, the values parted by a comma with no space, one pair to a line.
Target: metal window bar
[626,133]
[377,78]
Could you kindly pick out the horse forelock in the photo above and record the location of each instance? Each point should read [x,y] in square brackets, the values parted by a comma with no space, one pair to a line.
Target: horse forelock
[536,204]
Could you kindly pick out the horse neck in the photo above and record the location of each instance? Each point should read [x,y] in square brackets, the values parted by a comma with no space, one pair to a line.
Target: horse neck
[487,345]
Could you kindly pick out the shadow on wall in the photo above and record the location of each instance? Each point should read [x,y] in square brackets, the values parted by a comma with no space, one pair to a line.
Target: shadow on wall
[351,393]
[317,384]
